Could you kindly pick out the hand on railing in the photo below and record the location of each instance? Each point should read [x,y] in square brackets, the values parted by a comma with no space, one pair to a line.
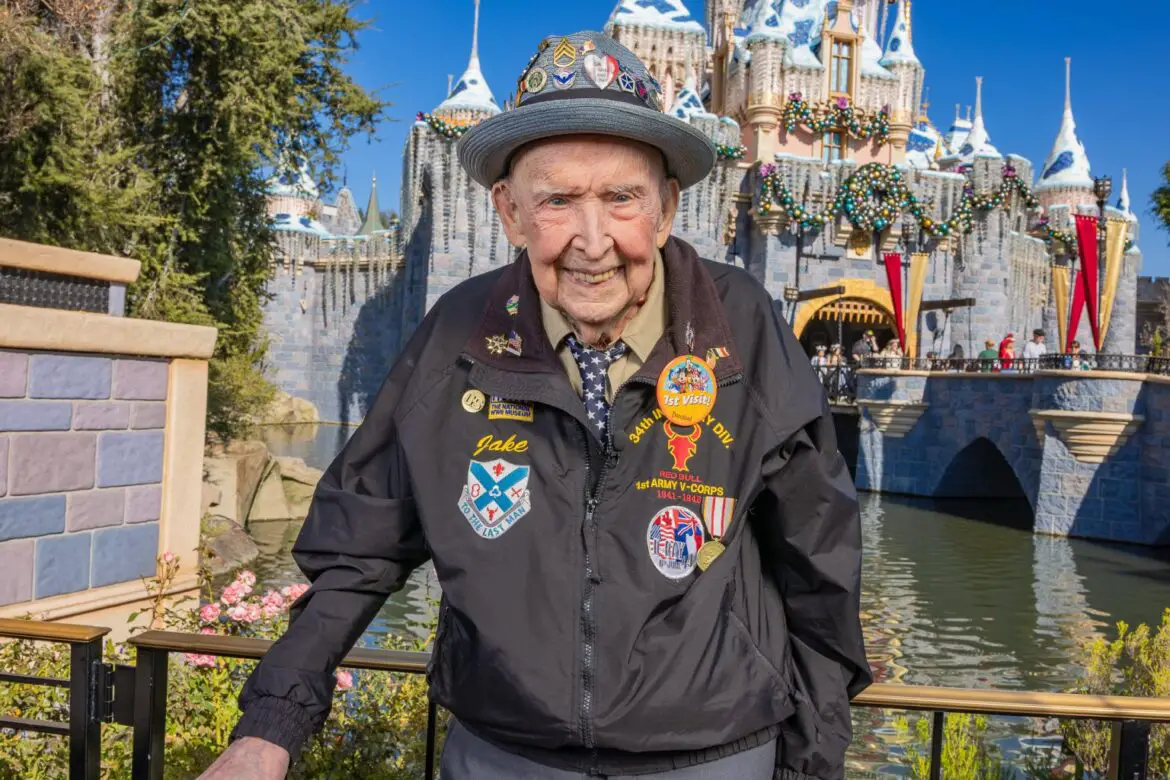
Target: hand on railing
[249,758]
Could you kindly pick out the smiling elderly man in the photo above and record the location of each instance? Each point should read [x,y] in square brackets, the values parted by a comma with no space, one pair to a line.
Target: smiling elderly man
[622,467]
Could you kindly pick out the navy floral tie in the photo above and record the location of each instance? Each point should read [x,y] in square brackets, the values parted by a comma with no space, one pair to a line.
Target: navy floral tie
[594,365]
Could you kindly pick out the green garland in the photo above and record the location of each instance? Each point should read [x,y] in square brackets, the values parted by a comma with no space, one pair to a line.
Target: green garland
[447,130]
[857,199]
[730,152]
[1051,235]
[838,114]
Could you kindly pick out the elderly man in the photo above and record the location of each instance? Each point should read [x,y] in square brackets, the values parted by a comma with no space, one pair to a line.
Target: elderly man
[622,467]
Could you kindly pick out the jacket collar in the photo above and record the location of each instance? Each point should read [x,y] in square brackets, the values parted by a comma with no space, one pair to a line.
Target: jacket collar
[691,298]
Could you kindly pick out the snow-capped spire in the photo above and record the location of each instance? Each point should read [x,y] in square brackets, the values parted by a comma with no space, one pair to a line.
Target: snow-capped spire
[471,93]
[900,45]
[688,103]
[978,140]
[1067,164]
[663,14]
[1123,201]
[957,134]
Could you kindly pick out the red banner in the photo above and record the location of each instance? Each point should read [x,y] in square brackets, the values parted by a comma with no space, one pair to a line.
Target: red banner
[1087,244]
[894,277]
[1074,314]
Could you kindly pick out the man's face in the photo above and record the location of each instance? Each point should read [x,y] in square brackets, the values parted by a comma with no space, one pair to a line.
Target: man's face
[1039,339]
[591,211]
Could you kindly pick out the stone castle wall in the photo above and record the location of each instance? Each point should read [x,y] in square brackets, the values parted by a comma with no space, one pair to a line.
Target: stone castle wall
[80,497]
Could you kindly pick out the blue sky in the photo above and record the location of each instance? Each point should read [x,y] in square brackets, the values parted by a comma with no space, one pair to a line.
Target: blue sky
[1119,83]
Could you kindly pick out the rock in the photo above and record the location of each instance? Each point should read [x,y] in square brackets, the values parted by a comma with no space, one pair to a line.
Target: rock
[251,460]
[300,480]
[287,409]
[226,545]
[270,503]
[221,474]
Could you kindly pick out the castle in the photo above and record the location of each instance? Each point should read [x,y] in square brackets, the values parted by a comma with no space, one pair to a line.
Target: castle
[828,161]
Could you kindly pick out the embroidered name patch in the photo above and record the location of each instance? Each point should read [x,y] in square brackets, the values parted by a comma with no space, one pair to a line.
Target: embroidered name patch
[499,409]
[495,497]
[674,537]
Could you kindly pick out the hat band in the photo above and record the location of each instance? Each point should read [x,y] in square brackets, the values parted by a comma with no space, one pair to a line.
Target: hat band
[587,92]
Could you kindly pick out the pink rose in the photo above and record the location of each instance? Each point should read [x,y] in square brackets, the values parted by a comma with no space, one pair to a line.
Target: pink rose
[197,659]
[252,613]
[209,613]
[238,612]
[246,577]
[207,631]
[168,557]
[231,595]
[273,604]
[344,680]
[294,592]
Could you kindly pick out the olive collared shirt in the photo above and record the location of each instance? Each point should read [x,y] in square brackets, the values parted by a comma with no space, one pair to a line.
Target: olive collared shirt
[640,335]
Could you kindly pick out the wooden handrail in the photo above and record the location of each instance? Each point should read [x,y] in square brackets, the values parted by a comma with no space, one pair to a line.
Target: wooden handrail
[879,695]
[50,632]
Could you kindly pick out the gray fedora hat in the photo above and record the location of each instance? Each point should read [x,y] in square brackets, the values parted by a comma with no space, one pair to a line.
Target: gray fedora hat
[585,83]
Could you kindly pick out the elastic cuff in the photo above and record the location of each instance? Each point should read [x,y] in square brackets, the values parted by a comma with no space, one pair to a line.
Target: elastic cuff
[783,773]
[279,721]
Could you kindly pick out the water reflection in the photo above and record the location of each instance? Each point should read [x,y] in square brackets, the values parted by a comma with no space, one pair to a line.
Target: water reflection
[955,593]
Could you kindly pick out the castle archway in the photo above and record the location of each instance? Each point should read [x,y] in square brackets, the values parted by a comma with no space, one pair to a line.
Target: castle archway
[842,319]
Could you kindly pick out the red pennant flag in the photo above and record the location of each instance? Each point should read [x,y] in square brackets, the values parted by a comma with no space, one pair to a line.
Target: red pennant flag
[1087,245]
[894,276]
[1074,314]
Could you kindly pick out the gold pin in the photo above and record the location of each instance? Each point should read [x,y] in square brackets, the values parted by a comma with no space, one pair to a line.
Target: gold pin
[473,401]
[496,344]
[565,54]
[536,80]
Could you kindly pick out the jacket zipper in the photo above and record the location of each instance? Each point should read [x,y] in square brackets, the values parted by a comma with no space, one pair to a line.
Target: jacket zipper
[587,625]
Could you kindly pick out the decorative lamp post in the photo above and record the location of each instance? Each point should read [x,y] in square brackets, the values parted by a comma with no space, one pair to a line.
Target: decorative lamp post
[1102,187]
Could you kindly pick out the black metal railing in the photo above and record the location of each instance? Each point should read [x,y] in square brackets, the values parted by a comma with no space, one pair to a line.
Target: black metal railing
[1130,364]
[91,685]
[104,694]
[839,381]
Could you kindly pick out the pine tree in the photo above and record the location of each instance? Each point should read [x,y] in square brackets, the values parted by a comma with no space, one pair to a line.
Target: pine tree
[147,129]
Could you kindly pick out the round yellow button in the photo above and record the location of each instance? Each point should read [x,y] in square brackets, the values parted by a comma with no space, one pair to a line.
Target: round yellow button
[686,390]
[473,401]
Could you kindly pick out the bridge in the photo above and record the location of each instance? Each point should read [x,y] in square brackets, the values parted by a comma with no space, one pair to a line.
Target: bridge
[1087,447]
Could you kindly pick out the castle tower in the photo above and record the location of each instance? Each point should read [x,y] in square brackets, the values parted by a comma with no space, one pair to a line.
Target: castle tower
[925,145]
[977,144]
[899,58]
[664,35]
[1065,179]
[470,100]
[373,221]
[957,133]
[766,44]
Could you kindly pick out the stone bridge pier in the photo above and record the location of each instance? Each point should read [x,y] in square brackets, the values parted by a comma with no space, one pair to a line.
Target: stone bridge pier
[1087,449]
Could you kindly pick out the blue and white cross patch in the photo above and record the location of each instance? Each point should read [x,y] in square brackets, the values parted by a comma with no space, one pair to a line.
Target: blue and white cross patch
[495,497]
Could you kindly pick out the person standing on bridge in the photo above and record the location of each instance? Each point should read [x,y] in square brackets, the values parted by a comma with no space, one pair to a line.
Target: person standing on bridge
[1036,348]
[623,468]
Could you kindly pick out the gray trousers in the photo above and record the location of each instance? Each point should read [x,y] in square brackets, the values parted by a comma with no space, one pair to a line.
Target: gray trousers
[467,757]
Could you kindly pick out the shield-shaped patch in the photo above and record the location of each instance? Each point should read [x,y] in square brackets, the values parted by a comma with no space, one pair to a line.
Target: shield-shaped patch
[495,497]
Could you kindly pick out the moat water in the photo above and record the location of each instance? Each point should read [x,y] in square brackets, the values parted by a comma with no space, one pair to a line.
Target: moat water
[955,593]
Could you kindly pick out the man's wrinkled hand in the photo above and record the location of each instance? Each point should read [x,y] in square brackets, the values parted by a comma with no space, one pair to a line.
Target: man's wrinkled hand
[249,758]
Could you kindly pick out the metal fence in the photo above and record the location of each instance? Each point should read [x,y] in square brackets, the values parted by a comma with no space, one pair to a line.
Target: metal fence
[1132,364]
[137,696]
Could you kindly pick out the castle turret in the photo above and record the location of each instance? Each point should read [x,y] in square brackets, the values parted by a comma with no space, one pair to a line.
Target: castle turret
[900,59]
[470,100]
[665,36]
[1123,204]
[373,221]
[1065,179]
[977,144]
[957,133]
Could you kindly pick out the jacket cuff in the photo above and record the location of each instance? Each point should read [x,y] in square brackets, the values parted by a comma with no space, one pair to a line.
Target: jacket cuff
[279,721]
[790,774]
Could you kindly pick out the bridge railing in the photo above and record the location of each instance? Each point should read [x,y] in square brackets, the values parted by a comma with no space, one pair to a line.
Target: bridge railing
[840,382]
[1133,364]
[137,696]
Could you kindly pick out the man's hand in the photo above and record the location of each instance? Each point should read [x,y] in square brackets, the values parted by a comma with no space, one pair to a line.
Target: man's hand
[249,758]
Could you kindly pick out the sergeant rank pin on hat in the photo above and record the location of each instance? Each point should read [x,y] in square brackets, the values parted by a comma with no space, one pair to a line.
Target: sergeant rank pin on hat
[585,84]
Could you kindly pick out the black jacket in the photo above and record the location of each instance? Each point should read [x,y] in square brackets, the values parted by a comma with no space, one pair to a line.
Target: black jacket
[559,637]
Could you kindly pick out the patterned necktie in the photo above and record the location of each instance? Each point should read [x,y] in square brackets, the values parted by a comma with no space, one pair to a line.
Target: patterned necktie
[594,365]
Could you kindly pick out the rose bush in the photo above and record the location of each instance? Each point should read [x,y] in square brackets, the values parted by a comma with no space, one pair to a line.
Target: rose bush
[377,729]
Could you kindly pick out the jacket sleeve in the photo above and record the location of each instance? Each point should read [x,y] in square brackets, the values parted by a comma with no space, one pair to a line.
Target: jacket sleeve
[361,540]
[810,528]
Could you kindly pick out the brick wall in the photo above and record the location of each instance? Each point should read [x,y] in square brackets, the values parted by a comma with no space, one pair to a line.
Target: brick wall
[81,466]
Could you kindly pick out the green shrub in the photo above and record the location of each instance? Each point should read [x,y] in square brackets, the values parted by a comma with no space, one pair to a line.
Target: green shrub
[1136,663]
[377,729]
